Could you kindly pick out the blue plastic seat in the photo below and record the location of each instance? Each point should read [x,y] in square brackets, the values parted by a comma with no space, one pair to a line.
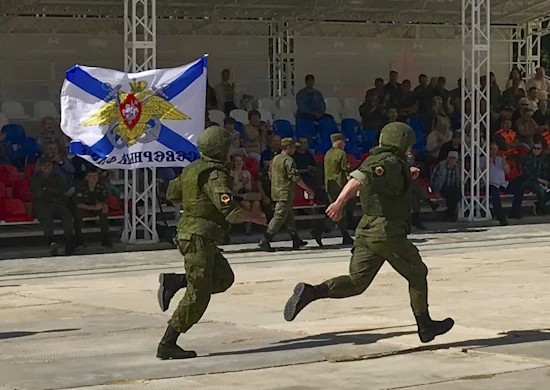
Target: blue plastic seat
[418,127]
[352,130]
[283,128]
[15,134]
[306,128]
[239,127]
[370,139]
[30,148]
[327,127]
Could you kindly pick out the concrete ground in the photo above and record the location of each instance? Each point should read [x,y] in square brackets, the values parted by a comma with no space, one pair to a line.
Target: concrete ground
[93,322]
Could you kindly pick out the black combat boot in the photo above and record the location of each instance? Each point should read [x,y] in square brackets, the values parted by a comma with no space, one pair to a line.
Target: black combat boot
[52,246]
[428,329]
[297,242]
[265,243]
[317,235]
[168,349]
[417,222]
[433,205]
[169,285]
[303,295]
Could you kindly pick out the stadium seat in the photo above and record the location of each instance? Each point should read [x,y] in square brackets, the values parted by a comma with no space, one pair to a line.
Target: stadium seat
[364,156]
[116,206]
[300,199]
[352,130]
[306,128]
[29,171]
[3,191]
[3,120]
[354,162]
[13,210]
[351,108]
[288,103]
[370,139]
[31,149]
[319,159]
[239,115]
[283,128]
[44,109]
[252,165]
[21,190]
[418,127]
[14,110]
[216,116]
[287,115]
[15,134]
[265,115]
[268,104]
[239,127]
[334,108]
[8,175]
[327,127]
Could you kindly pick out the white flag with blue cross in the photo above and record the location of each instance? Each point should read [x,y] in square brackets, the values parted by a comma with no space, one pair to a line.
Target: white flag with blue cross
[118,120]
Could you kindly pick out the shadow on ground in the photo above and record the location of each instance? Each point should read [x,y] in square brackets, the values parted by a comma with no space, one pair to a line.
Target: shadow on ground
[17,334]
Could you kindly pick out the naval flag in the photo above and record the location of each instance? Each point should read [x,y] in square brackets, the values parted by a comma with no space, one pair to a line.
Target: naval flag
[118,120]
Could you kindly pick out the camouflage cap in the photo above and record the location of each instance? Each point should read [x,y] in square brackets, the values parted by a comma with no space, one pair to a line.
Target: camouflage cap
[215,142]
[286,142]
[337,137]
[398,135]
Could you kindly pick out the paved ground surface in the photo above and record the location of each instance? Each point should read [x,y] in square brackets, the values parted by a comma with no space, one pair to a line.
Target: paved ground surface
[92,322]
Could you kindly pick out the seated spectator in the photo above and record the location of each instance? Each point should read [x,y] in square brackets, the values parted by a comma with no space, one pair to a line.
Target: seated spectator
[211,100]
[455,144]
[50,134]
[273,149]
[254,138]
[541,83]
[62,167]
[392,88]
[48,201]
[442,92]
[532,99]
[90,198]
[424,94]
[515,74]
[418,195]
[498,169]
[391,116]
[431,116]
[81,166]
[372,112]
[439,136]
[506,112]
[378,90]
[535,175]
[542,115]
[505,138]
[4,157]
[106,178]
[243,188]
[446,183]
[457,92]
[511,96]
[226,95]
[526,127]
[406,101]
[310,101]
[236,147]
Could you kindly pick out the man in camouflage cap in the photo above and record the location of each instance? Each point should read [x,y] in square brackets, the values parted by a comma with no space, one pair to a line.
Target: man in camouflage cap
[284,177]
[384,180]
[337,169]
[204,190]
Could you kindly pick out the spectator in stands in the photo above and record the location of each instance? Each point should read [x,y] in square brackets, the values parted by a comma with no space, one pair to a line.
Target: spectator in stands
[495,92]
[273,148]
[441,91]
[90,199]
[455,144]
[243,188]
[526,127]
[310,101]
[4,157]
[506,112]
[378,90]
[211,101]
[511,96]
[254,136]
[372,112]
[542,115]
[229,125]
[440,135]
[498,169]
[391,115]
[535,175]
[308,170]
[392,88]
[531,99]
[80,168]
[49,201]
[505,138]
[62,167]
[445,182]
[457,92]
[424,93]
[406,101]
[540,82]
[50,133]
[515,74]
[226,95]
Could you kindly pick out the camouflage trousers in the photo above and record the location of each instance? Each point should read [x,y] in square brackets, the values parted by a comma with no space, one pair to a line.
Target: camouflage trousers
[282,216]
[208,272]
[368,257]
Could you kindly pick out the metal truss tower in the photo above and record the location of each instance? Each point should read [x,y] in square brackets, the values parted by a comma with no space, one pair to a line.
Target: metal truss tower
[140,185]
[281,58]
[476,63]
[528,49]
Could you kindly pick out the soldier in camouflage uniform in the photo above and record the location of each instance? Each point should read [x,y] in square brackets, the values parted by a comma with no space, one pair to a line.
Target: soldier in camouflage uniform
[204,190]
[384,180]
[284,178]
[336,170]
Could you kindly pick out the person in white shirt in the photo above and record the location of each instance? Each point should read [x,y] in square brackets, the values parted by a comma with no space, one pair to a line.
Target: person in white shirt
[541,83]
[498,169]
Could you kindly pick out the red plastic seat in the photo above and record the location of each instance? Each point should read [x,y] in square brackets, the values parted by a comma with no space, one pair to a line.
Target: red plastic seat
[3,191]
[300,200]
[8,174]
[253,166]
[21,190]
[364,156]
[13,210]
[29,170]
[319,159]
[353,161]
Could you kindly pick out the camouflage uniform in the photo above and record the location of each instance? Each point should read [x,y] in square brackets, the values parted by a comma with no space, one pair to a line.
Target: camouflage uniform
[381,234]
[336,169]
[204,190]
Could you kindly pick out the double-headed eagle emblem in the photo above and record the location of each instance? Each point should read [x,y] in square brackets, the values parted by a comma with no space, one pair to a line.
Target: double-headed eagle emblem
[129,115]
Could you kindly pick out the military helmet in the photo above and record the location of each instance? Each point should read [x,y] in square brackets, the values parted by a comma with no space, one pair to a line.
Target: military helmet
[215,142]
[397,135]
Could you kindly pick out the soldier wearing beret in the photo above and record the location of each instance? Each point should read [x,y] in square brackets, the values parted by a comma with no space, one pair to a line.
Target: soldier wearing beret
[337,169]
[384,180]
[284,177]
[204,190]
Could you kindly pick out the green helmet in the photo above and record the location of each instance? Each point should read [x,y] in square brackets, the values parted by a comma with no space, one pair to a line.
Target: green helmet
[397,135]
[215,142]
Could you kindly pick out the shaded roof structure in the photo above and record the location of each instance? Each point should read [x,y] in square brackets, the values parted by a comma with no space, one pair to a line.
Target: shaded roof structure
[368,11]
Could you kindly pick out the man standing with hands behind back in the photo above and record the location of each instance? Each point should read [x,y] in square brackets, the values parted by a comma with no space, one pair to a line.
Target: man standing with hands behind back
[284,177]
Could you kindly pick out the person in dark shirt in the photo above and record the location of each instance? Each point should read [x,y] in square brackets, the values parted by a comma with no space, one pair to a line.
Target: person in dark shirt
[424,93]
[310,101]
[90,198]
[274,148]
[542,115]
[307,168]
[378,90]
[392,88]
[455,144]
[406,102]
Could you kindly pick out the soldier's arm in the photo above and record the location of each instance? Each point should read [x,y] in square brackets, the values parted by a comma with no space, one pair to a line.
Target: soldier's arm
[294,175]
[218,189]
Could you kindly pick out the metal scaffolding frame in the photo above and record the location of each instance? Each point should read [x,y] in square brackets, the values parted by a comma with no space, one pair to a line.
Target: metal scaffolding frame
[140,185]
[476,63]
[281,58]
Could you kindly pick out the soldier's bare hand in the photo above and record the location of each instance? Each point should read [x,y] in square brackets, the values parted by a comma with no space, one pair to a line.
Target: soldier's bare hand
[334,212]
[311,193]
[415,172]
